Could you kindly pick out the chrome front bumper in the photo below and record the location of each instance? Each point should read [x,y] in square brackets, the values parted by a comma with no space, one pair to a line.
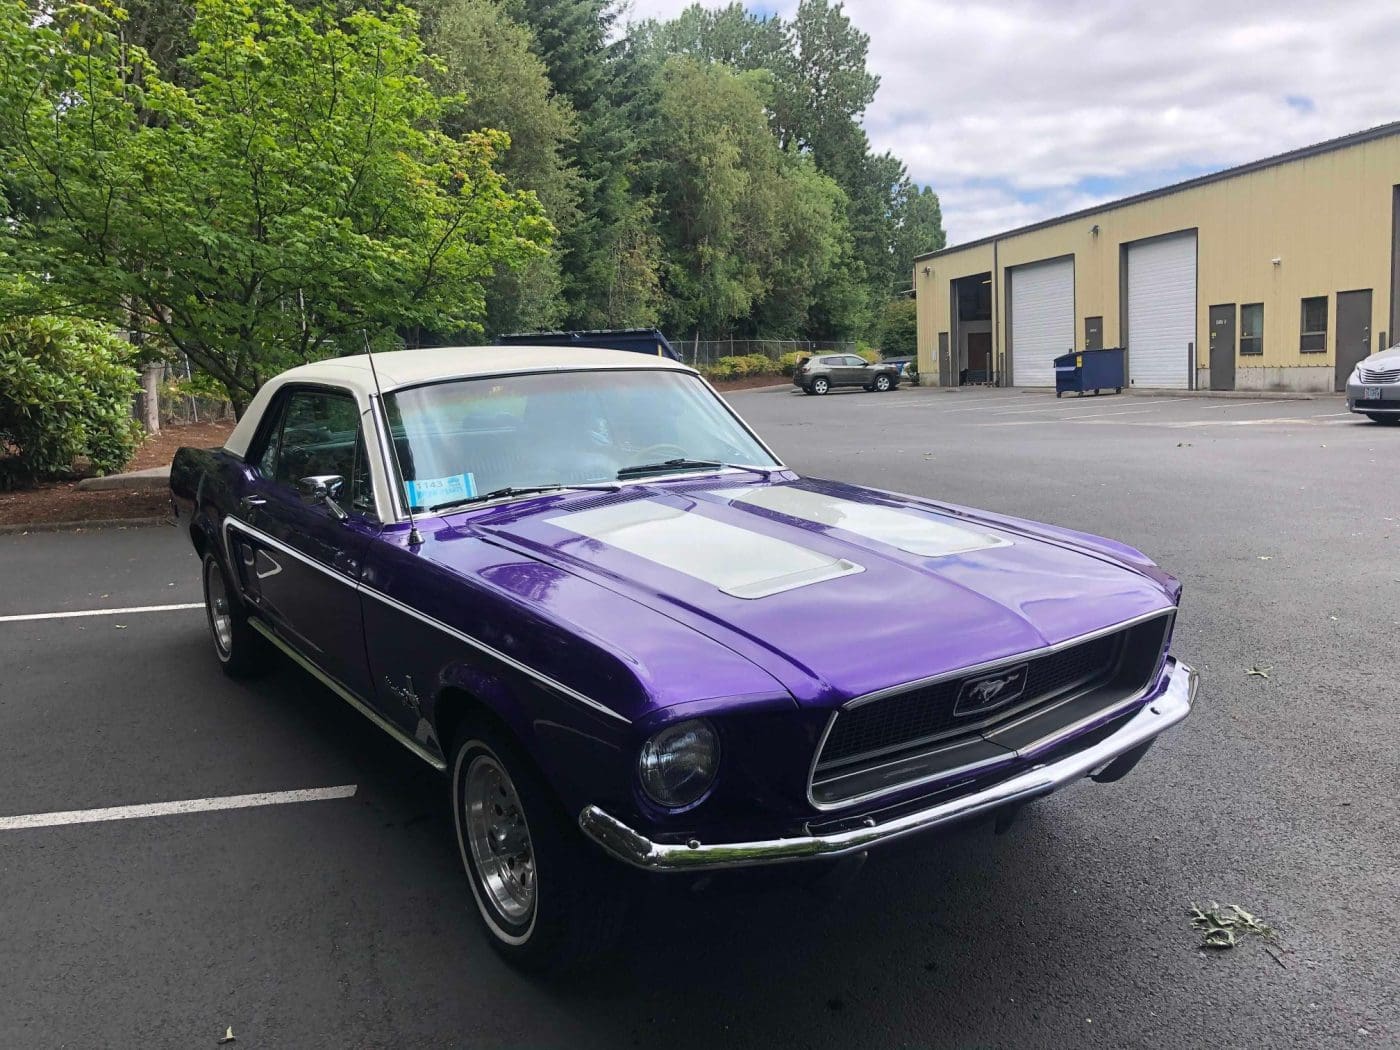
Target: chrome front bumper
[1155,718]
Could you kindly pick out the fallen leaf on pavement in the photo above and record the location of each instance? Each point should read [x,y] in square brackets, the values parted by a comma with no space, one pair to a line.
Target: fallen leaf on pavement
[1220,926]
[229,1037]
[1259,672]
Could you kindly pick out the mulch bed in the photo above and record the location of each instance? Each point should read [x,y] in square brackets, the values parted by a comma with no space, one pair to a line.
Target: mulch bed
[61,502]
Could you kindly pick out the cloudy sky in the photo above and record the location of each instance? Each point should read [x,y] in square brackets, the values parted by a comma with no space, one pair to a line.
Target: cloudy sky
[1017,110]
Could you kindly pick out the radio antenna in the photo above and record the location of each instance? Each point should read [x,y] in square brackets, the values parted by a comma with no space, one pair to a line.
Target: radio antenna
[415,539]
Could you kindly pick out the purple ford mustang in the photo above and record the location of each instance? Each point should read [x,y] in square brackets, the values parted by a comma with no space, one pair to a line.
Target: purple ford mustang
[579,585]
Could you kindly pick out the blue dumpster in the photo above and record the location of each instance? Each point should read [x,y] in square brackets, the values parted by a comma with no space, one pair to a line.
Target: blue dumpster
[1086,370]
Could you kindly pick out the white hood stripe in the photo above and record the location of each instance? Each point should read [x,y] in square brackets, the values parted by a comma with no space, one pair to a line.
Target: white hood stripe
[909,530]
[736,560]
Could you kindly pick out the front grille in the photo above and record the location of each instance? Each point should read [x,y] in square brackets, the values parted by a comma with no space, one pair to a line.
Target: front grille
[913,735]
[1380,375]
[926,714]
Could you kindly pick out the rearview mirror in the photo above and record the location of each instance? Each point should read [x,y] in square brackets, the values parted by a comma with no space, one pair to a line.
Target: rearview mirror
[324,489]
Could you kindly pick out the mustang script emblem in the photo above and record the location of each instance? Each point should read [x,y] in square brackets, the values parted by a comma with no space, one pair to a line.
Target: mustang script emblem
[980,695]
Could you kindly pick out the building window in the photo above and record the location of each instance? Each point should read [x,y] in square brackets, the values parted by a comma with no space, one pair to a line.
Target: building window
[1314,339]
[1252,328]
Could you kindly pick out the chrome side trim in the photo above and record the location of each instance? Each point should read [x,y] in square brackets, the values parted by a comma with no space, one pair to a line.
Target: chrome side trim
[993,665]
[346,695]
[272,541]
[636,849]
[467,639]
[510,661]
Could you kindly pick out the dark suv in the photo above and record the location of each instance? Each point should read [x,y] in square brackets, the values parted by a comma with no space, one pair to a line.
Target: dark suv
[818,374]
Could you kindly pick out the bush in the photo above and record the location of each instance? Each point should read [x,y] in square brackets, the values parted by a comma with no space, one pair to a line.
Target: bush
[787,364]
[742,366]
[868,352]
[65,391]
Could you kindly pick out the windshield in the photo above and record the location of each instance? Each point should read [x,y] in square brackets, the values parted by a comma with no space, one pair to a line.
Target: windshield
[468,438]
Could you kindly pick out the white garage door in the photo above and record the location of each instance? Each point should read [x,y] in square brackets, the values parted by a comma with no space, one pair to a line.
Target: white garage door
[1161,311]
[1042,320]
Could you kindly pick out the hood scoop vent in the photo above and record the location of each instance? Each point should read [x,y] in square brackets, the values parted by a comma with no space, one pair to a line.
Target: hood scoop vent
[737,561]
[908,530]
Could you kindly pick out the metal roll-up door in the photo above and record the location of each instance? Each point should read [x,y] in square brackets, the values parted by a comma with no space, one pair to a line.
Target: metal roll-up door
[1042,320]
[1162,311]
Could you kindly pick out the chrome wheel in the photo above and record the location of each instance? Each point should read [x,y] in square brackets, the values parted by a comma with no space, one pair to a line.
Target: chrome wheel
[499,839]
[882,383]
[216,601]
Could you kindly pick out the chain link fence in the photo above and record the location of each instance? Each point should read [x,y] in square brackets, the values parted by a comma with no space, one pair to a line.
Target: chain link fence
[703,353]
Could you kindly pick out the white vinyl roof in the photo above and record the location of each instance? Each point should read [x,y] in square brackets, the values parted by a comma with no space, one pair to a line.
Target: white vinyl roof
[402,368]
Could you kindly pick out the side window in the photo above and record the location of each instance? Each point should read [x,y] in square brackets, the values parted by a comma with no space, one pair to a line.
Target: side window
[267,462]
[320,435]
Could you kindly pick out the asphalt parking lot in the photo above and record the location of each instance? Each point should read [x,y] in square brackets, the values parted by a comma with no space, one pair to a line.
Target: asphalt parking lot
[345,921]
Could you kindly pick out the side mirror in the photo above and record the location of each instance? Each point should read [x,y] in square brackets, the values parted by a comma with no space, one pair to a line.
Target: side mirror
[324,489]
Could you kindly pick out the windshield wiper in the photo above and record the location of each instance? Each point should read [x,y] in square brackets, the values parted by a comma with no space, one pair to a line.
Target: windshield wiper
[689,464]
[516,490]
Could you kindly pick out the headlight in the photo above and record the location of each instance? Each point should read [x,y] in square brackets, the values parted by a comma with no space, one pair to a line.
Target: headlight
[678,764]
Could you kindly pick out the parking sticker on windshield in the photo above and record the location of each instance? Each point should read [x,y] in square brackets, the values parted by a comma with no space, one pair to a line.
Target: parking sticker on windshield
[430,492]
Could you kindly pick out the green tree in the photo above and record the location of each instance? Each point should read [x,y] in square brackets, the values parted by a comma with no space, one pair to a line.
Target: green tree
[898,328]
[495,79]
[608,262]
[752,233]
[296,194]
[918,228]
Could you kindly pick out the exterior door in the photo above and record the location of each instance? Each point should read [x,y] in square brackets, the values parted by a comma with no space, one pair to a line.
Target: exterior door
[1162,311]
[1093,333]
[1042,320]
[979,357]
[945,361]
[854,372]
[1353,332]
[1222,347]
[300,564]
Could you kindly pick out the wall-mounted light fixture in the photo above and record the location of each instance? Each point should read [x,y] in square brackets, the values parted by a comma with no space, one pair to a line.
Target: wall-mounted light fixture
[1094,229]
[928,271]
[1276,261]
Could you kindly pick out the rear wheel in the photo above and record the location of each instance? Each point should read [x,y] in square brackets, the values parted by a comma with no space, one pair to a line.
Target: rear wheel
[882,384]
[544,894]
[240,649]
[820,385]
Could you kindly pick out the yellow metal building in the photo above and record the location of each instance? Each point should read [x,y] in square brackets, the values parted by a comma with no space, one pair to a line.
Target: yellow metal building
[1276,275]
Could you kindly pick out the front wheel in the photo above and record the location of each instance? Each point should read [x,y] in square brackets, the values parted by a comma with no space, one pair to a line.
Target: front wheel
[882,383]
[820,385]
[241,650]
[540,888]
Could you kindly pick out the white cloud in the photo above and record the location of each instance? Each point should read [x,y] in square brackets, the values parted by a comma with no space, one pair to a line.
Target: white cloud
[1015,110]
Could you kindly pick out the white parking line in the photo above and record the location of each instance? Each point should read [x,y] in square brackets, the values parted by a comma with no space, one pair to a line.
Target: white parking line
[167,809]
[102,612]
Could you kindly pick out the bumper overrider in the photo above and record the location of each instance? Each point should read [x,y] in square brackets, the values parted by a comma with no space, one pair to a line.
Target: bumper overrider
[1123,748]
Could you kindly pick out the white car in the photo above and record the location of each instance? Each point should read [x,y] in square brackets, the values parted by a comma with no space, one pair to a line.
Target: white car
[1373,388]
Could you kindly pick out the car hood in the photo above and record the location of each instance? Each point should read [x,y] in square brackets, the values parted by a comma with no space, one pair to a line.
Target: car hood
[833,590]
[1384,357]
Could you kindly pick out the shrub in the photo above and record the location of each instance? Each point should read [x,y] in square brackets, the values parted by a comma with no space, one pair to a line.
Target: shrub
[868,352]
[787,364]
[65,391]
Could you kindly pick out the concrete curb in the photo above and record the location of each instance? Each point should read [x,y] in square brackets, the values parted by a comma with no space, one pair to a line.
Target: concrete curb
[1243,395]
[138,481]
[77,526]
